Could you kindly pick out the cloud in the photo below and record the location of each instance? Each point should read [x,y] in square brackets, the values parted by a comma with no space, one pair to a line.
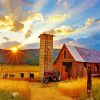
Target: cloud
[63,31]
[13,25]
[58,1]
[12,7]
[17,26]
[91,42]
[9,44]
[6,38]
[38,5]
[37,16]
[89,22]
[58,17]
[67,41]
[31,46]
[18,12]
[32,16]
[82,7]
[28,34]
[98,21]
[63,3]
[5,22]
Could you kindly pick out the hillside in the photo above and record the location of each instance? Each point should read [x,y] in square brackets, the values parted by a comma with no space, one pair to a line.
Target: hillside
[29,56]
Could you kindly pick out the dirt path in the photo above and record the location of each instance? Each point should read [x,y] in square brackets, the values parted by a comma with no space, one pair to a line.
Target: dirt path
[46,92]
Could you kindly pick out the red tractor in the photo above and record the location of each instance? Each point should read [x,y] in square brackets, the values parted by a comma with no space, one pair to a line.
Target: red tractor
[51,76]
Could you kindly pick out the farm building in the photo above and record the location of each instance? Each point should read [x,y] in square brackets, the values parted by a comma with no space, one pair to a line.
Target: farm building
[46,52]
[72,61]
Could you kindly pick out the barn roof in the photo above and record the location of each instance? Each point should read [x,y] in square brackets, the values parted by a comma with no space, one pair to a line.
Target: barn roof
[83,54]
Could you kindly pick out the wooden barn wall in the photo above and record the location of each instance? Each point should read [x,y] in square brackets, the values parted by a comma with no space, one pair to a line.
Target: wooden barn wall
[58,63]
[78,69]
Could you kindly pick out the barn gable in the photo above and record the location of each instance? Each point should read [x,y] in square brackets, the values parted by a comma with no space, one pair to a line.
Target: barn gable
[61,54]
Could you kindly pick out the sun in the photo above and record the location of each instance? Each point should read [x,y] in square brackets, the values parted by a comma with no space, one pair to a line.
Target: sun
[14,49]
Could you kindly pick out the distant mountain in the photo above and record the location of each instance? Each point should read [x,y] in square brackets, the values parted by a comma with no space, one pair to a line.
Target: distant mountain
[29,56]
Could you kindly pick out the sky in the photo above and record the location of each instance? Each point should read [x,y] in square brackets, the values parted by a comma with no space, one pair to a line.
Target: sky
[73,22]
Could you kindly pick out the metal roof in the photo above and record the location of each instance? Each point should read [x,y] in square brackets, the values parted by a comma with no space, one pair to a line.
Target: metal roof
[84,55]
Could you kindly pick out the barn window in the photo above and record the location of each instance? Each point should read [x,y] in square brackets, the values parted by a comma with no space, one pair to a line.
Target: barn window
[64,54]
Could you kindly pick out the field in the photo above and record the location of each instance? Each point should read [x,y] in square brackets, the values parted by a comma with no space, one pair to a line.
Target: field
[27,90]
[30,91]
[7,87]
[77,89]
[67,90]
[17,69]
[64,90]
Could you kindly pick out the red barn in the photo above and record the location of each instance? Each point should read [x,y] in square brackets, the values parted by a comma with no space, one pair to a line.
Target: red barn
[72,61]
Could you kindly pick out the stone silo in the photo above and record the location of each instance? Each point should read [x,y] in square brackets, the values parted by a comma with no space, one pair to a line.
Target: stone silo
[46,52]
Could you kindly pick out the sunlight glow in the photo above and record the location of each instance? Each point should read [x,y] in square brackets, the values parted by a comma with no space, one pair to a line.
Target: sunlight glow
[14,49]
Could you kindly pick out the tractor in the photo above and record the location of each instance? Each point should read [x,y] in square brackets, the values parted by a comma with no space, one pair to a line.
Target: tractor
[51,76]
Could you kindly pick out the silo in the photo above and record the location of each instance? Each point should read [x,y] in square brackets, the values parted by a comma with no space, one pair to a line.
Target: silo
[46,52]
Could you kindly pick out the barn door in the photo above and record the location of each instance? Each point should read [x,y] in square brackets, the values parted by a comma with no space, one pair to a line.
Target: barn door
[68,66]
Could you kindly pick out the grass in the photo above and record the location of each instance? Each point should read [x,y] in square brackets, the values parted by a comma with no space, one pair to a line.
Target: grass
[78,88]
[17,69]
[7,87]
[30,91]
[7,95]
[46,92]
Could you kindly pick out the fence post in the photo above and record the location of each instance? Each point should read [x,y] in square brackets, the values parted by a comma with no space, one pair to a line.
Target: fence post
[89,84]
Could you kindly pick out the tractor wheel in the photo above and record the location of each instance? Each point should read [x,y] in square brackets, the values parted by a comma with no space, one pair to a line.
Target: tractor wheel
[54,78]
[58,76]
[45,80]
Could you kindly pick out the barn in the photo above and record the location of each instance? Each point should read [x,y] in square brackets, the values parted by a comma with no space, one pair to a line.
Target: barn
[72,62]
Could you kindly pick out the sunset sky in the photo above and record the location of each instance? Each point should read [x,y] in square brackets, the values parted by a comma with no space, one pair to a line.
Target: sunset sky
[74,22]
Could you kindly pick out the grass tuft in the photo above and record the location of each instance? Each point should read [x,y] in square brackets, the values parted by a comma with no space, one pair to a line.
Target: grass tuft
[78,88]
